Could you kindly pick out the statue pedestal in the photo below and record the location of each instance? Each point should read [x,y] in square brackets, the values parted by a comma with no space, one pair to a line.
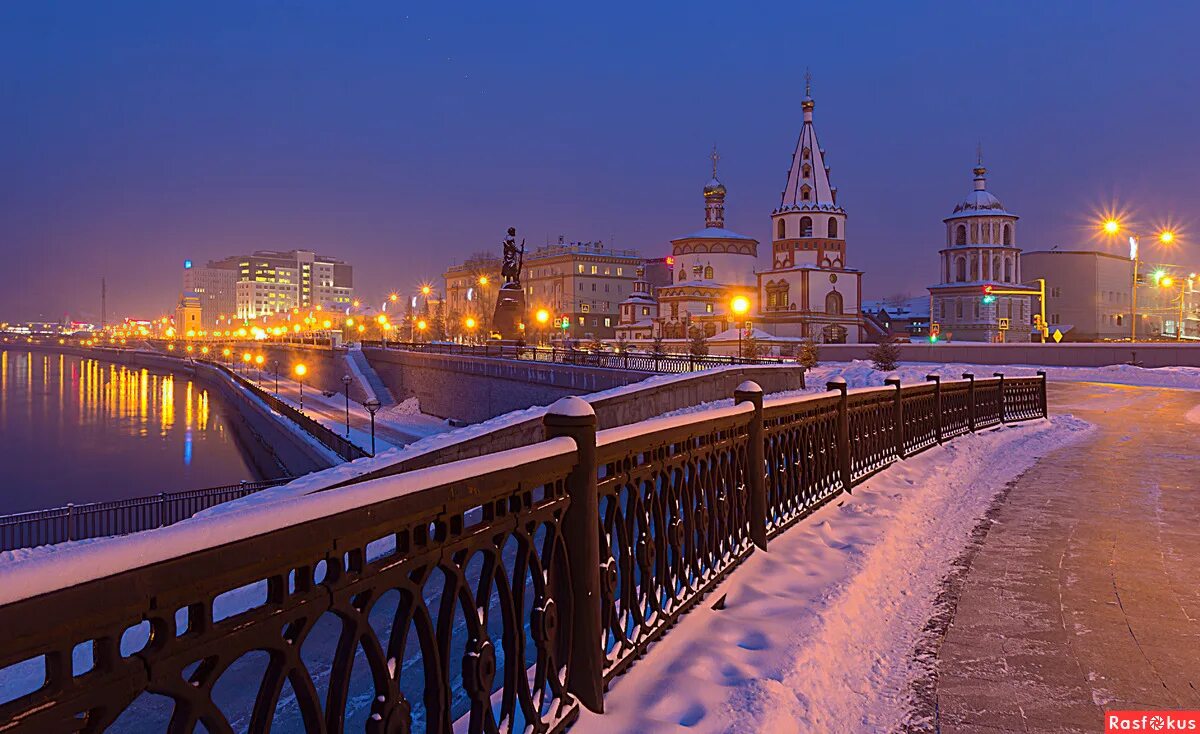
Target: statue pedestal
[510,310]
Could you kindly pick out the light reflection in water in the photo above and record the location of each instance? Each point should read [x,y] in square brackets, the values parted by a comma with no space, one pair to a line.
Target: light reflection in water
[80,430]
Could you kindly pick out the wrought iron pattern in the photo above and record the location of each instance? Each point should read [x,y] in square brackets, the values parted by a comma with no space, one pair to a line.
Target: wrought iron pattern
[802,458]
[989,403]
[416,611]
[1024,398]
[450,609]
[920,417]
[872,419]
[117,517]
[956,408]
[673,520]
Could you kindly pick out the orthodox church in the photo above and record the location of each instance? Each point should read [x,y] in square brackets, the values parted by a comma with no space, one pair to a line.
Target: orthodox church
[805,292]
[980,251]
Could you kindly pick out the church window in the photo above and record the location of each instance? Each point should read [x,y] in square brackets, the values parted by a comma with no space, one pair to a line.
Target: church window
[782,230]
[806,154]
[708,308]
[833,303]
[806,226]
[645,310]
[960,269]
[1007,234]
[807,170]
[960,234]
[805,193]
[771,302]
[833,227]
[708,273]
[1008,270]
[682,275]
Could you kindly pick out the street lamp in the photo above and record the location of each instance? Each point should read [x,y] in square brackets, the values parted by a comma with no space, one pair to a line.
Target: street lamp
[346,381]
[470,323]
[372,405]
[276,364]
[246,357]
[258,362]
[543,318]
[1112,226]
[422,326]
[300,371]
[740,305]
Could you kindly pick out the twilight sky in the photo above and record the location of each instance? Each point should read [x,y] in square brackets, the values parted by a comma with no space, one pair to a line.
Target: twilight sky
[402,136]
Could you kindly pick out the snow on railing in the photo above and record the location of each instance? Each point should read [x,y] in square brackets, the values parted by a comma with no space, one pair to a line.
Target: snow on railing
[474,594]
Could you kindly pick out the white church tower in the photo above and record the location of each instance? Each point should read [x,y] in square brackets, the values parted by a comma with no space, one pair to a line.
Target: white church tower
[809,292]
[981,251]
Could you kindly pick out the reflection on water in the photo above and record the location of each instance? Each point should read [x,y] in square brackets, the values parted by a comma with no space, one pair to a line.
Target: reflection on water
[80,430]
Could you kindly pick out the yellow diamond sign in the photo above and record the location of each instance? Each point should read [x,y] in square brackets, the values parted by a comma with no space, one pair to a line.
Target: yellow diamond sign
[1057,336]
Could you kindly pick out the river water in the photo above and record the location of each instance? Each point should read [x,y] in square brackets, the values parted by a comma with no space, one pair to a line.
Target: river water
[74,429]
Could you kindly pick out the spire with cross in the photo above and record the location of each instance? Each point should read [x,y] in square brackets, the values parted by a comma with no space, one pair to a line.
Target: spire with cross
[807,82]
[715,157]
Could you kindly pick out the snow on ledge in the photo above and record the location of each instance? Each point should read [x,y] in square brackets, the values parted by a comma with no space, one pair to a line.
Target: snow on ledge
[28,575]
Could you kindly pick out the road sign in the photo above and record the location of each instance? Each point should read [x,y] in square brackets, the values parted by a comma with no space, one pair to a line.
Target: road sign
[1058,336]
[935,329]
[1003,324]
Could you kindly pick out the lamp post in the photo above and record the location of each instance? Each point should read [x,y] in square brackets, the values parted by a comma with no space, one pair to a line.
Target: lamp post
[470,323]
[372,405]
[346,381]
[300,371]
[740,305]
[258,362]
[276,363]
[543,318]
[1112,226]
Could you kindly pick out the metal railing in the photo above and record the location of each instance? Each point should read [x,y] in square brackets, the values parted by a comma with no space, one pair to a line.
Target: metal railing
[117,517]
[625,360]
[499,593]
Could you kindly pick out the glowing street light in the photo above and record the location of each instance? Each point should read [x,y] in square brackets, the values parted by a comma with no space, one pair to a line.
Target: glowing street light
[740,305]
[301,371]
[1112,226]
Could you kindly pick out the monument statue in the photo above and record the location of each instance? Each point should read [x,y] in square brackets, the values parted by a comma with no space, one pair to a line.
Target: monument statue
[510,300]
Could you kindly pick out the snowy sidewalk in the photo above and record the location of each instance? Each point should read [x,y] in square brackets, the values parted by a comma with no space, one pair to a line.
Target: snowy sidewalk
[1083,595]
[818,631]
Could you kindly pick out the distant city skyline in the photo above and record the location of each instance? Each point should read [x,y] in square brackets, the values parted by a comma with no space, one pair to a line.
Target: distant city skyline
[401,141]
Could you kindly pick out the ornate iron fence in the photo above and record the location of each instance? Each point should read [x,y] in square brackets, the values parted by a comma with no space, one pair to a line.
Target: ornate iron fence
[626,360]
[117,517]
[499,593]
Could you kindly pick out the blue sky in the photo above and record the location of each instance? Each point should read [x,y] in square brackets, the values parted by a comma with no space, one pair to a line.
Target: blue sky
[403,136]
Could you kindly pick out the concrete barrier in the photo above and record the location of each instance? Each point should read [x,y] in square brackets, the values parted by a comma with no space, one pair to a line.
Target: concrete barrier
[661,394]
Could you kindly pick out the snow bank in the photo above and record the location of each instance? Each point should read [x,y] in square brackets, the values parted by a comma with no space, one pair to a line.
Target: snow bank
[817,633]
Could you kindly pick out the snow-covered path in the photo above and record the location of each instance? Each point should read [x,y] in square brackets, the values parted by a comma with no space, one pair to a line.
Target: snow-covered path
[817,632]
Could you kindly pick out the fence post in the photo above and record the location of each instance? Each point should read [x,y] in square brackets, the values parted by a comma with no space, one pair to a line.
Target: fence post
[843,437]
[1045,411]
[756,482]
[937,402]
[898,416]
[574,418]
[1003,401]
[162,509]
[970,401]
[70,521]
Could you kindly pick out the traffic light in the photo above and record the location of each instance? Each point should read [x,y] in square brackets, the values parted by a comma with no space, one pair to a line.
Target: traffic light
[935,330]
[987,295]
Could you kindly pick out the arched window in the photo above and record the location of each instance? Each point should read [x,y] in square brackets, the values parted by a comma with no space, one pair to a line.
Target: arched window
[1007,234]
[960,234]
[960,269]
[806,170]
[682,274]
[1120,319]
[782,230]
[833,227]
[995,267]
[805,154]
[805,193]
[806,226]
[708,273]
[1008,270]
[833,302]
